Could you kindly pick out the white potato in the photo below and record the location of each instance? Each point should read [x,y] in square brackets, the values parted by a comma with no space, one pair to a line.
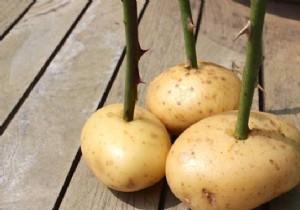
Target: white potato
[125,156]
[180,97]
[208,169]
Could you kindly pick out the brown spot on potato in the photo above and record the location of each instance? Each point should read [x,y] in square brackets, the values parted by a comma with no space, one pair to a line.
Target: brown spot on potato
[130,184]
[153,135]
[223,78]
[208,81]
[178,103]
[275,164]
[209,196]
[192,89]
[169,91]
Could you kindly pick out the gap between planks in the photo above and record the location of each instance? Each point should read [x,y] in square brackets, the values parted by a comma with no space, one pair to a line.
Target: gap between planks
[100,105]
[15,22]
[158,54]
[165,192]
[41,72]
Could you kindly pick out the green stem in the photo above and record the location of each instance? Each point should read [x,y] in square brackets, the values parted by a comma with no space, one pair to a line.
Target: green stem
[253,62]
[188,31]
[133,54]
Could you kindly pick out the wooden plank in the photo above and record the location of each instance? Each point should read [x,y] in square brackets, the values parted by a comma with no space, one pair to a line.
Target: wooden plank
[160,30]
[282,76]
[28,46]
[86,192]
[221,22]
[38,147]
[10,12]
[216,42]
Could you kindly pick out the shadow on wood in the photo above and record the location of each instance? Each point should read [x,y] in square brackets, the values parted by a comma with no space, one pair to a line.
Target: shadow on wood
[295,110]
[283,8]
[140,199]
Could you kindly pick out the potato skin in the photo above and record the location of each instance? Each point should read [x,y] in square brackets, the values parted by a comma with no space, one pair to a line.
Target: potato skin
[180,97]
[125,156]
[207,168]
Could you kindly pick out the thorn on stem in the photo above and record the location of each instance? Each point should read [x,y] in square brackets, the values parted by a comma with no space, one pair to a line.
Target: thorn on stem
[246,30]
[191,25]
[138,79]
[141,51]
[261,88]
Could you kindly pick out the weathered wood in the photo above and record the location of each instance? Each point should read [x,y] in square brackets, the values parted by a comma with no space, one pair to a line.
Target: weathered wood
[282,76]
[86,192]
[160,30]
[25,50]
[221,22]
[11,10]
[38,147]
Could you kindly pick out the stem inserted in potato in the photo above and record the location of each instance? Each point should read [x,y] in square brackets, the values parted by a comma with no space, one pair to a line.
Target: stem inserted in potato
[253,62]
[133,54]
[188,30]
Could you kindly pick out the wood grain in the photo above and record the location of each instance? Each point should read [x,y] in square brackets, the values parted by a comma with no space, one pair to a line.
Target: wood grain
[221,21]
[40,143]
[10,12]
[282,76]
[38,147]
[216,42]
[25,50]
[160,30]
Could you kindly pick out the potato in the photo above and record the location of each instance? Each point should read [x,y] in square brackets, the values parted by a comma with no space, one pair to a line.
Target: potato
[180,97]
[125,156]
[207,168]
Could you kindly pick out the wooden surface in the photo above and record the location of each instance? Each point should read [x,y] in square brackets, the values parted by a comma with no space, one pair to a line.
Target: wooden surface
[11,12]
[26,51]
[282,76]
[56,66]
